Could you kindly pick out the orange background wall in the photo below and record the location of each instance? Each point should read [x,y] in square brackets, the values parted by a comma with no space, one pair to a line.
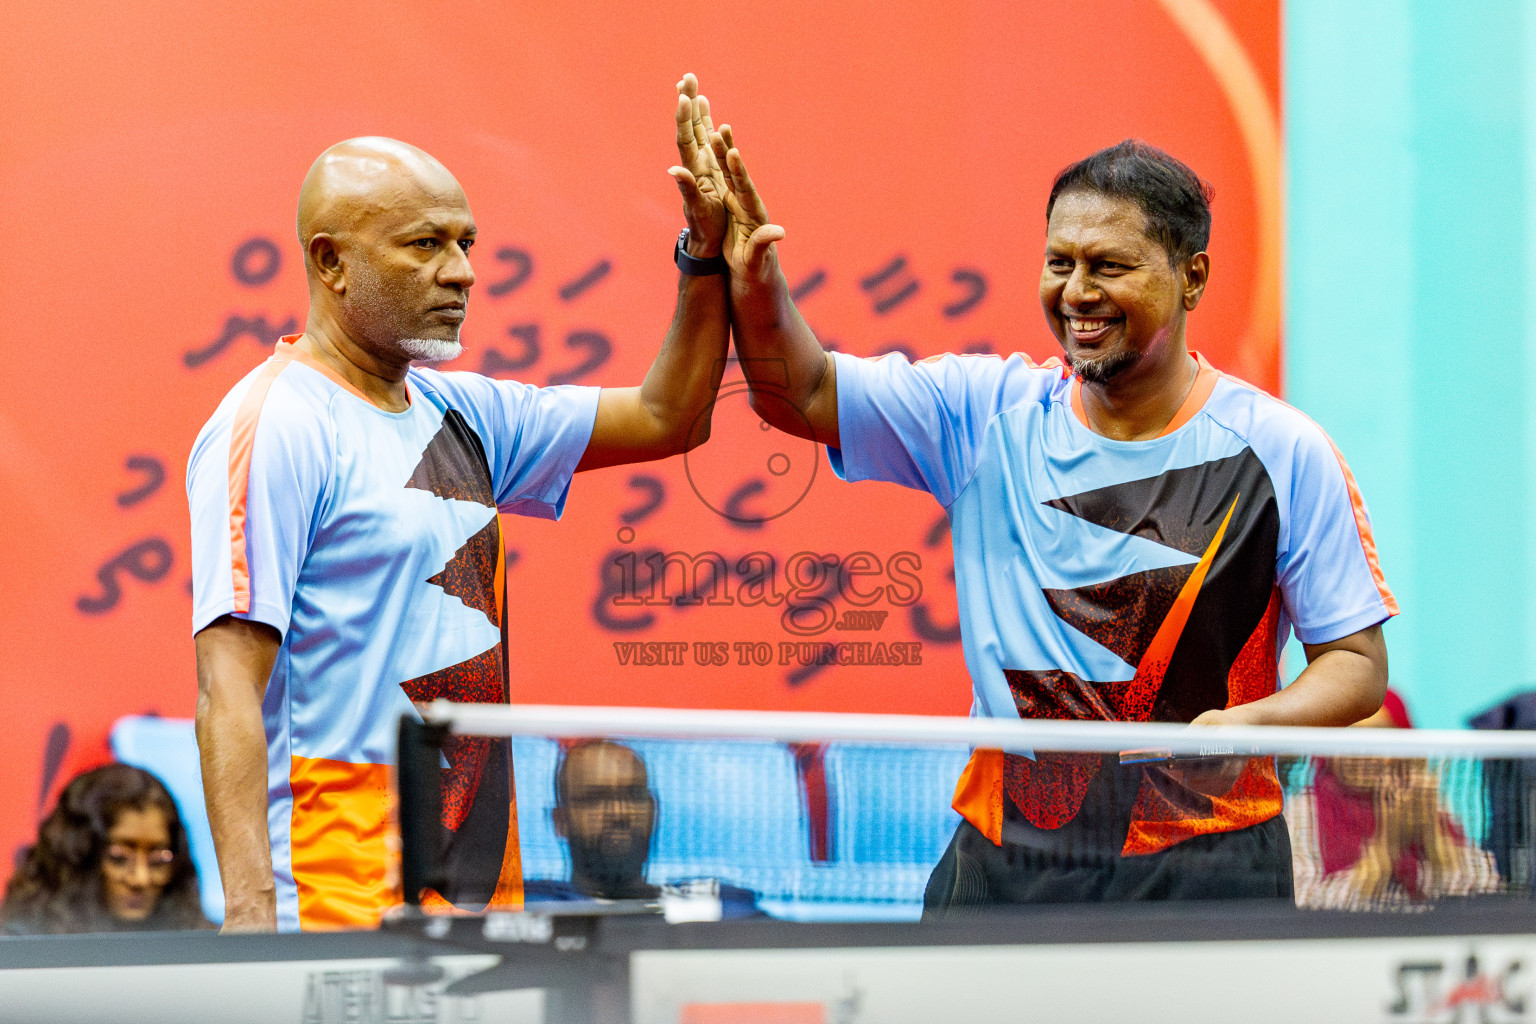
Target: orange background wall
[145,144]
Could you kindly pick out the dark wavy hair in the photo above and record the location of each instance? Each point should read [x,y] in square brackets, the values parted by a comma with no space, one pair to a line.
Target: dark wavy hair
[1176,203]
[57,886]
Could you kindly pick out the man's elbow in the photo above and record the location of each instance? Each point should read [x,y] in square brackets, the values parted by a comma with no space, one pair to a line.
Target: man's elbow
[1371,696]
[213,707]
[694,437]
[779,412]
[1371,690]
[1378,685]
[679,434]
[764,408]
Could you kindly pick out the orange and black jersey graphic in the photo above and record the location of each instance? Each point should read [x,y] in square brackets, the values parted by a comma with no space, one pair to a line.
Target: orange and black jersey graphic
[478,793]
[1201,636]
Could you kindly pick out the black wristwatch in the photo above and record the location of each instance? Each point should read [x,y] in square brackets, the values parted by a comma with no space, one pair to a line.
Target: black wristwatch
[692,265]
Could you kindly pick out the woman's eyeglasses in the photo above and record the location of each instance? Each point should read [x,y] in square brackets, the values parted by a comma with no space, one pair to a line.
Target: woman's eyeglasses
[123,858]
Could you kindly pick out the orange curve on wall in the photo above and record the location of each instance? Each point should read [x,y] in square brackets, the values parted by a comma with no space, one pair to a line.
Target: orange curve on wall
[1211,36]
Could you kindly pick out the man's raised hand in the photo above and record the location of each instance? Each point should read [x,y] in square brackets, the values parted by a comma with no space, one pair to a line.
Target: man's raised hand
[792,378]
[699,176]
[750,238]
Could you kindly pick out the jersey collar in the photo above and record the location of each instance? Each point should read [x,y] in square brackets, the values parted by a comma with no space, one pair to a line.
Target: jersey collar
[1205,382]
[287,350]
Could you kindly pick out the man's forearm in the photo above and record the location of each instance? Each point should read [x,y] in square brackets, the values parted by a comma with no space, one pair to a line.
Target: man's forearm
[1345,680]
[683,379]
[1338,688]
[233,750]
[783,362]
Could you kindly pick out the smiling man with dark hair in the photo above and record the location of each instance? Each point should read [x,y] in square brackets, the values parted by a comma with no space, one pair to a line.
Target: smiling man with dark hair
[1135,536]
[1175,210]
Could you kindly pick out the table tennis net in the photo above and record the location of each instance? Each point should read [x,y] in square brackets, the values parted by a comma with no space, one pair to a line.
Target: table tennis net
[853,829]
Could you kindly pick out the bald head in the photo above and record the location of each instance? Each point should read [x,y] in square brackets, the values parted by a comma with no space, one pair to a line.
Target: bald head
[386,230]
[362,178]
[603,765]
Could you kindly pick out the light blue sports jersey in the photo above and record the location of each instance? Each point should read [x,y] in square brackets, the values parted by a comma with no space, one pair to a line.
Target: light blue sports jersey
[371,541]
[1101,579]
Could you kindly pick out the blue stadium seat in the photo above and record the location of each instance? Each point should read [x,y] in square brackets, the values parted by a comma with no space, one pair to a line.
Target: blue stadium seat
[893,802]
[728,810]
[533,765]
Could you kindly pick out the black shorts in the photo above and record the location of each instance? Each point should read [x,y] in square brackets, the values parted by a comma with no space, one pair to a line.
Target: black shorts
[1250,863]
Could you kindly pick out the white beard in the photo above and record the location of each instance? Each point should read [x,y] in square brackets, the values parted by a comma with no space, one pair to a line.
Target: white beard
[430,350]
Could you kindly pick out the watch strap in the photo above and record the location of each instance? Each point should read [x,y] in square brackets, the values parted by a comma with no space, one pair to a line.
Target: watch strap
[692,265]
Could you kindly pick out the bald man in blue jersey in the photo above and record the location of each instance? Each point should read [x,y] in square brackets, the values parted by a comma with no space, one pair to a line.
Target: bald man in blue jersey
[347,550]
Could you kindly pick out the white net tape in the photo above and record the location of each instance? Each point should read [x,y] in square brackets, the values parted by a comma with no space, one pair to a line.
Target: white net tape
[1169,739]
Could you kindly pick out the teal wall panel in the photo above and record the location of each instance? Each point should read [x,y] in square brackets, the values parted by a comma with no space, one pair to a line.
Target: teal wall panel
[1408,316]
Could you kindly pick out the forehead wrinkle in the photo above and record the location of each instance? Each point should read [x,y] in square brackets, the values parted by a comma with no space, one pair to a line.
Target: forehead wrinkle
[434,222]
[1095,243]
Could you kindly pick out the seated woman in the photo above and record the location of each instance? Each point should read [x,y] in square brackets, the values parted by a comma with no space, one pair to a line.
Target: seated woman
[112,856]
[1376,833]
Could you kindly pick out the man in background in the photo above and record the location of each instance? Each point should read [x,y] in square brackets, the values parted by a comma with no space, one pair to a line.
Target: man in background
[606,813]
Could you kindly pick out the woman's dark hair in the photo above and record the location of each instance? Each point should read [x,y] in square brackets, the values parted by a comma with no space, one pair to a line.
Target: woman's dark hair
[57,885]
[1176,203]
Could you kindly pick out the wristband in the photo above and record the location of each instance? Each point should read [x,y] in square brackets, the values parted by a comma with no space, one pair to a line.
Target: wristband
[692,265]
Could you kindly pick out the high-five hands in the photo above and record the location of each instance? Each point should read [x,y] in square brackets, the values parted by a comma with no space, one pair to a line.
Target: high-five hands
[749,241]
[699,178]
[719,171]
[793,379]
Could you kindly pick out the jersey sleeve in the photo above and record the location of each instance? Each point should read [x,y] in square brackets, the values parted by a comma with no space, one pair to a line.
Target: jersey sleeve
[915,424]
[1328,572]
[255,482]
[533,436]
